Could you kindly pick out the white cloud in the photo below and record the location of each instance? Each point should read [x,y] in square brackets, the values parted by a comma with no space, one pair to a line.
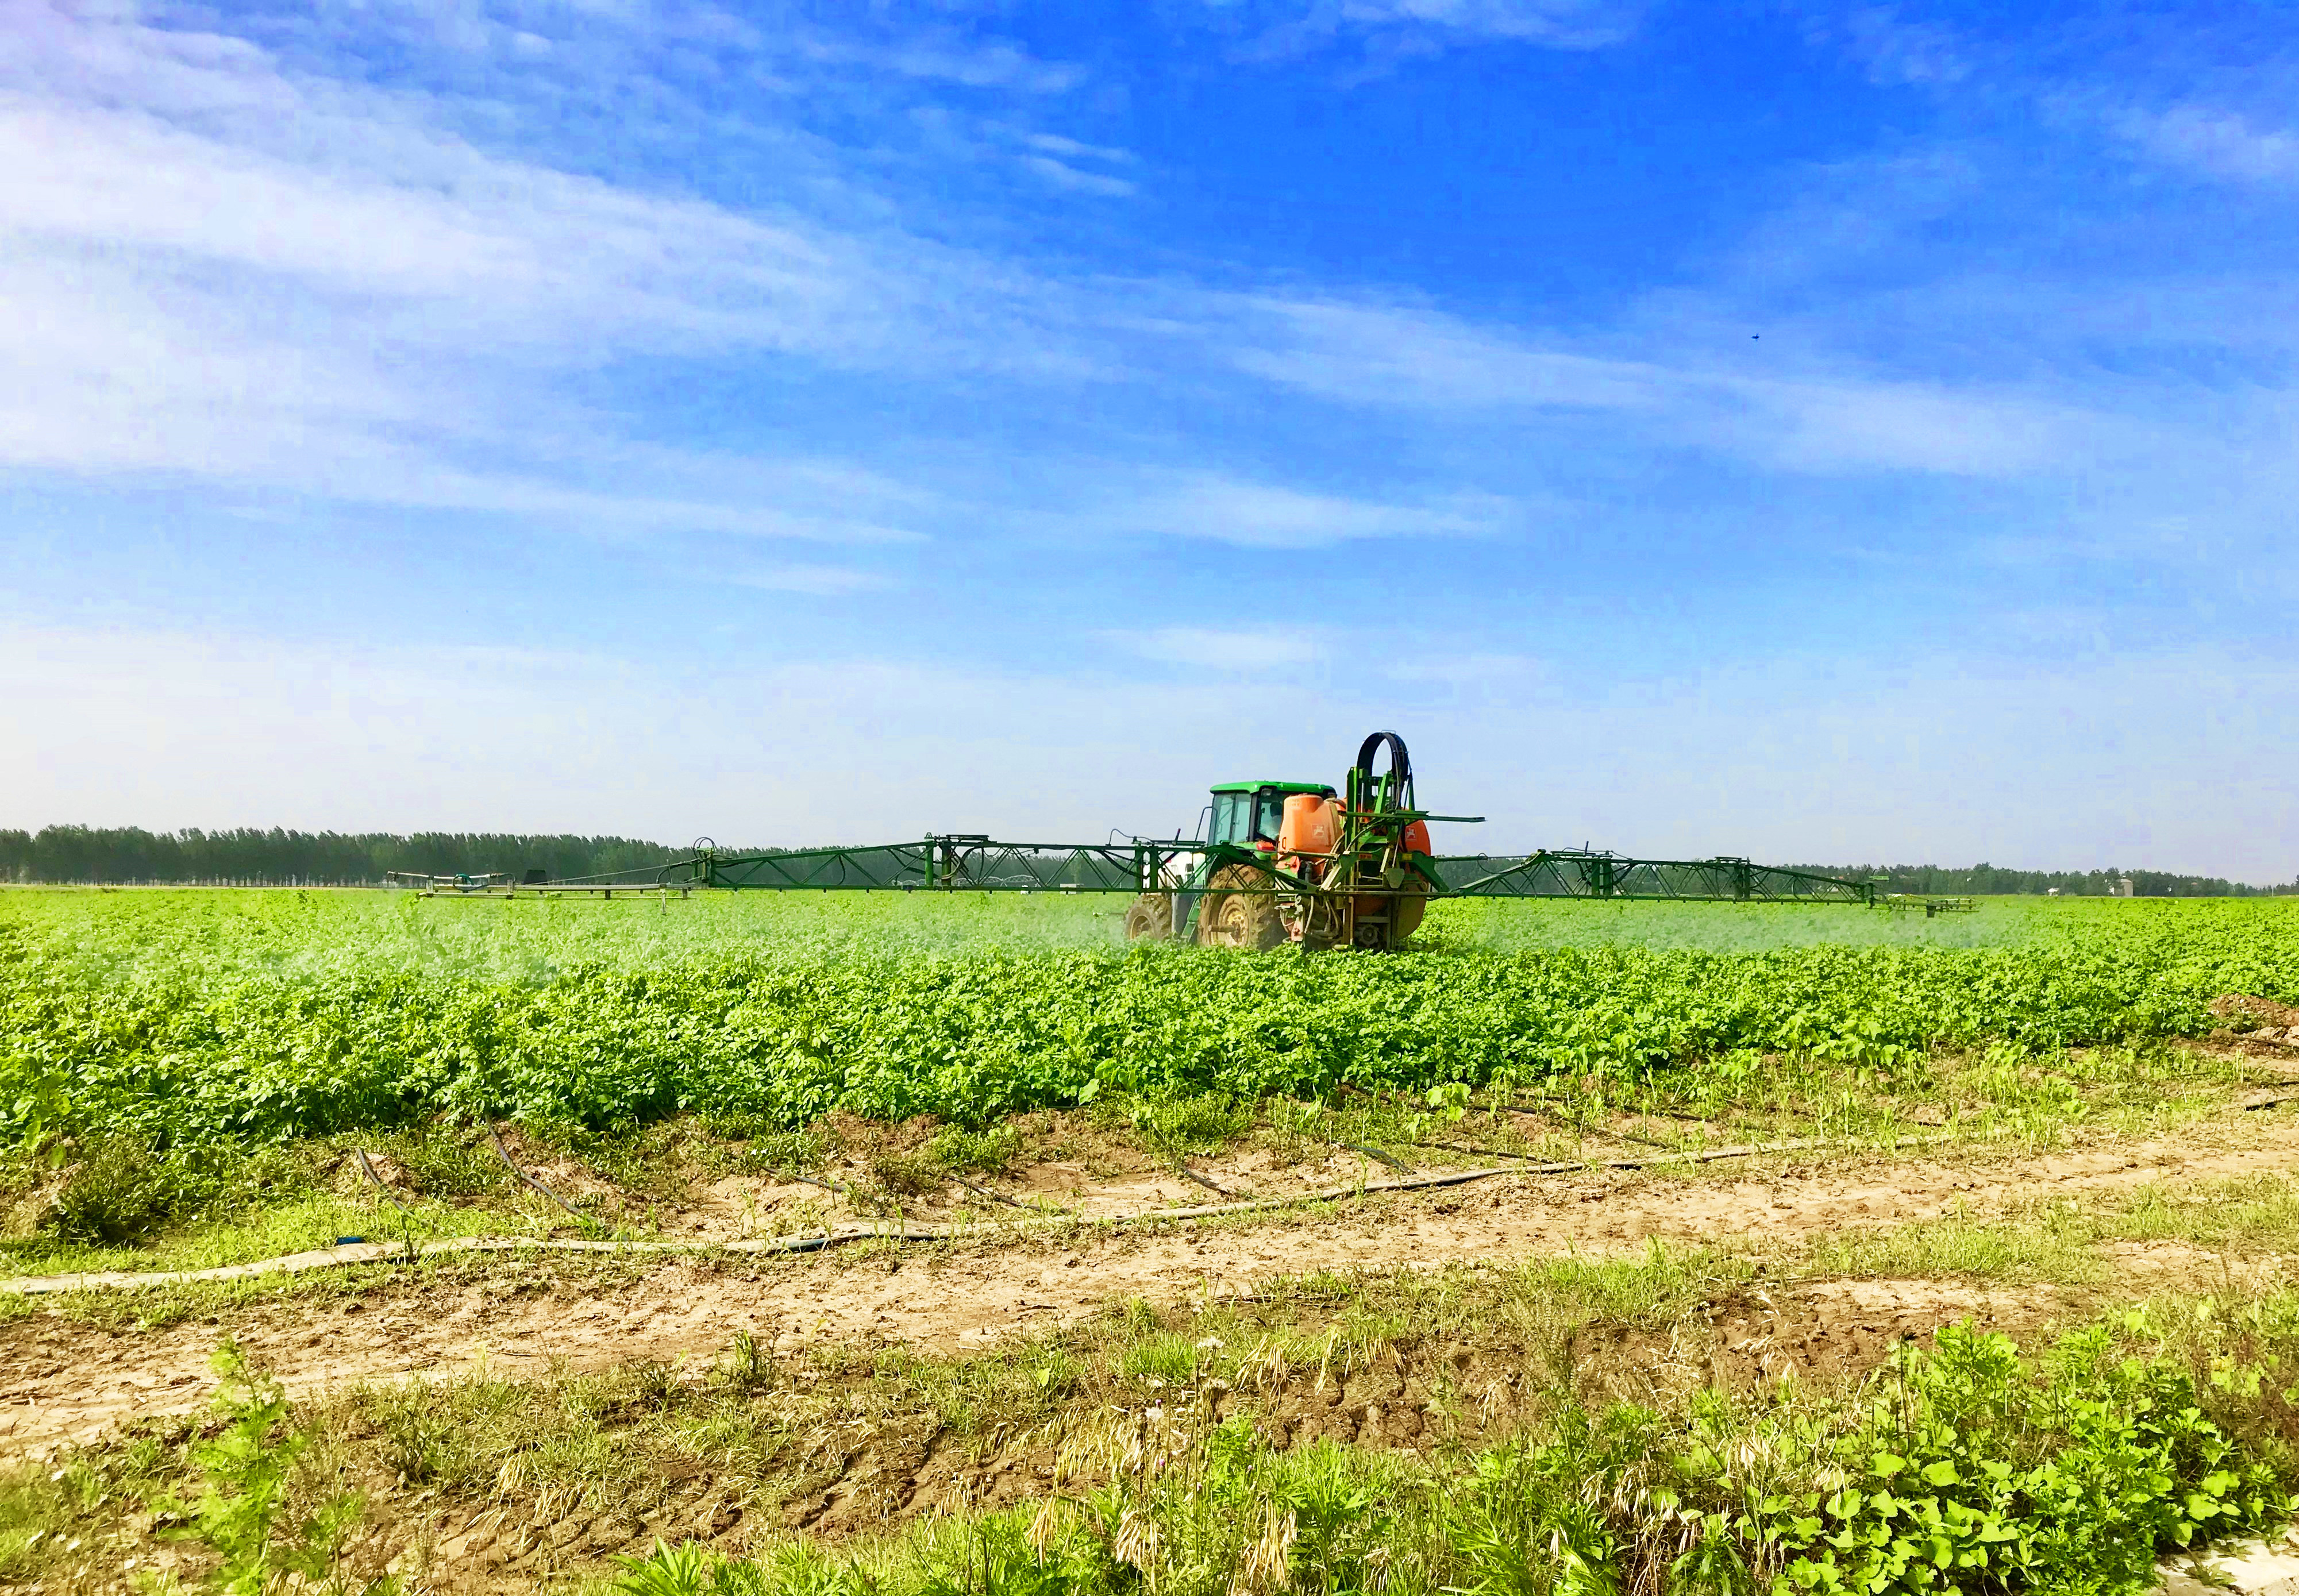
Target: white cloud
[1480,672]
[1062,175]
[2217,143]
[1361,352]
[1286,27]
[821,582]
[1391,357]
[1575,24]
[1256,515]
[1897,50]
[1051,158]
[944,57]
[109,369]
[215,268]
[1247,651]
[434,248]
[1071,149]
[1840,424]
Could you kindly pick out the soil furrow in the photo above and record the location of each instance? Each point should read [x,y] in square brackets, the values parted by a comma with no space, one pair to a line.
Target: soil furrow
[63,1380]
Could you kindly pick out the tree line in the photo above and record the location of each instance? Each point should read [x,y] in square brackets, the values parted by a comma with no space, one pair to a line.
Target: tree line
[1982,879]
[252,856]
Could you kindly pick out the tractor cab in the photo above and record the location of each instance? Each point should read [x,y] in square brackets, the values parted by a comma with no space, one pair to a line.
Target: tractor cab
[1248,814]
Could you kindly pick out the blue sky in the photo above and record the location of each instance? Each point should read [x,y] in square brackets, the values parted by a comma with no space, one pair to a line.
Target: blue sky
[1839,432]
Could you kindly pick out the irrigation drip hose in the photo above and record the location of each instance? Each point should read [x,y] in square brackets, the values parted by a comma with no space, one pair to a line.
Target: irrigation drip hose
[357,1253]
[358,1156]
[1394,1163]
[1480,1151]
[984,1191]
[828,1186]
[529,1181]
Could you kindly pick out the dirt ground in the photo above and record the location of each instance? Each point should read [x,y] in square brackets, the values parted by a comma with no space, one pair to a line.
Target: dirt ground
[62,1380]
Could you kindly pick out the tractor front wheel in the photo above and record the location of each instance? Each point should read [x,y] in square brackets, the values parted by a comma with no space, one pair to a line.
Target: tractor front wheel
[1151,918]
[1235,914]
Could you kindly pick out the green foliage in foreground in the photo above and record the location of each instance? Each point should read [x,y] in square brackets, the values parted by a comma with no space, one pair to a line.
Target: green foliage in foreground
[1962,1468]
[193,1045]
[240,1513]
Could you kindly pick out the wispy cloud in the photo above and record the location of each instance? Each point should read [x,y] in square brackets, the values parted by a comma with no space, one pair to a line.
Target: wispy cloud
[1389,28]
[820,582]
[1574,24]
[939,55]
[1400,355]
[1257,514]
[222,268]
[227,267]
[1492,671]
[1245,650]
[1053,160]
[1061,174]
[1369,354]
[1899,49]
[1073,149]
[2217,143]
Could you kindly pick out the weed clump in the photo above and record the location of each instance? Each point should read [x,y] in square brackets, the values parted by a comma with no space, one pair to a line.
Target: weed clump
[1962,1467]
[116,1189]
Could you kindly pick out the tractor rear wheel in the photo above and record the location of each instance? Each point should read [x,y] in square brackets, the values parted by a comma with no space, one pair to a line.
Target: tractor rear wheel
[1387,919]
[1236,915]
[1151,918]
[1412,903]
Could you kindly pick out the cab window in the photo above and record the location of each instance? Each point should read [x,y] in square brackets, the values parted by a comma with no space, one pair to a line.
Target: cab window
[1229,817]
[1268,813]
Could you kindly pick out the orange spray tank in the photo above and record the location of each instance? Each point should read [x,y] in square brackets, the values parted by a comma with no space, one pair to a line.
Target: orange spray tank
[1311,825]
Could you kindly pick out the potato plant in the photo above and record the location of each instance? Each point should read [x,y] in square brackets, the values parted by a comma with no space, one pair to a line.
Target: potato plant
[181,1017]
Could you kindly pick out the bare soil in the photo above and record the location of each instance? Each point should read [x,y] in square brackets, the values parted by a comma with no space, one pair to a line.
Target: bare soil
[860,1475]
[63,1380]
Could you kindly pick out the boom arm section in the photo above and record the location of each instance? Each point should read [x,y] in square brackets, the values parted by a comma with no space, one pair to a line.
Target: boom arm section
[956,863]
[974,864]
[1579,873]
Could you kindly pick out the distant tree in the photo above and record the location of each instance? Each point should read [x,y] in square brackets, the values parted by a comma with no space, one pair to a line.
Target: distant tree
[129,855]
[1985,879]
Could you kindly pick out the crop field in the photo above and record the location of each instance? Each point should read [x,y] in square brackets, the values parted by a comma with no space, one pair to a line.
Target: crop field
[896,1243]
[182,1017]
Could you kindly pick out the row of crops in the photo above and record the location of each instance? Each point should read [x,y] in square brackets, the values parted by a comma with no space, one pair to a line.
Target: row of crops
[178,1016]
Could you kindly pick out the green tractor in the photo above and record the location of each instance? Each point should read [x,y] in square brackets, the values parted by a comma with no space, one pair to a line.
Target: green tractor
[1299,862]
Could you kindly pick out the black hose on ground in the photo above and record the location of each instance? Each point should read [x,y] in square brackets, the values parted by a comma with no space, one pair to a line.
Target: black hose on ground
[406,1214]
[995,1196]
[1398,1165]
[828,1186]
[530,1182]
[358,1156]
